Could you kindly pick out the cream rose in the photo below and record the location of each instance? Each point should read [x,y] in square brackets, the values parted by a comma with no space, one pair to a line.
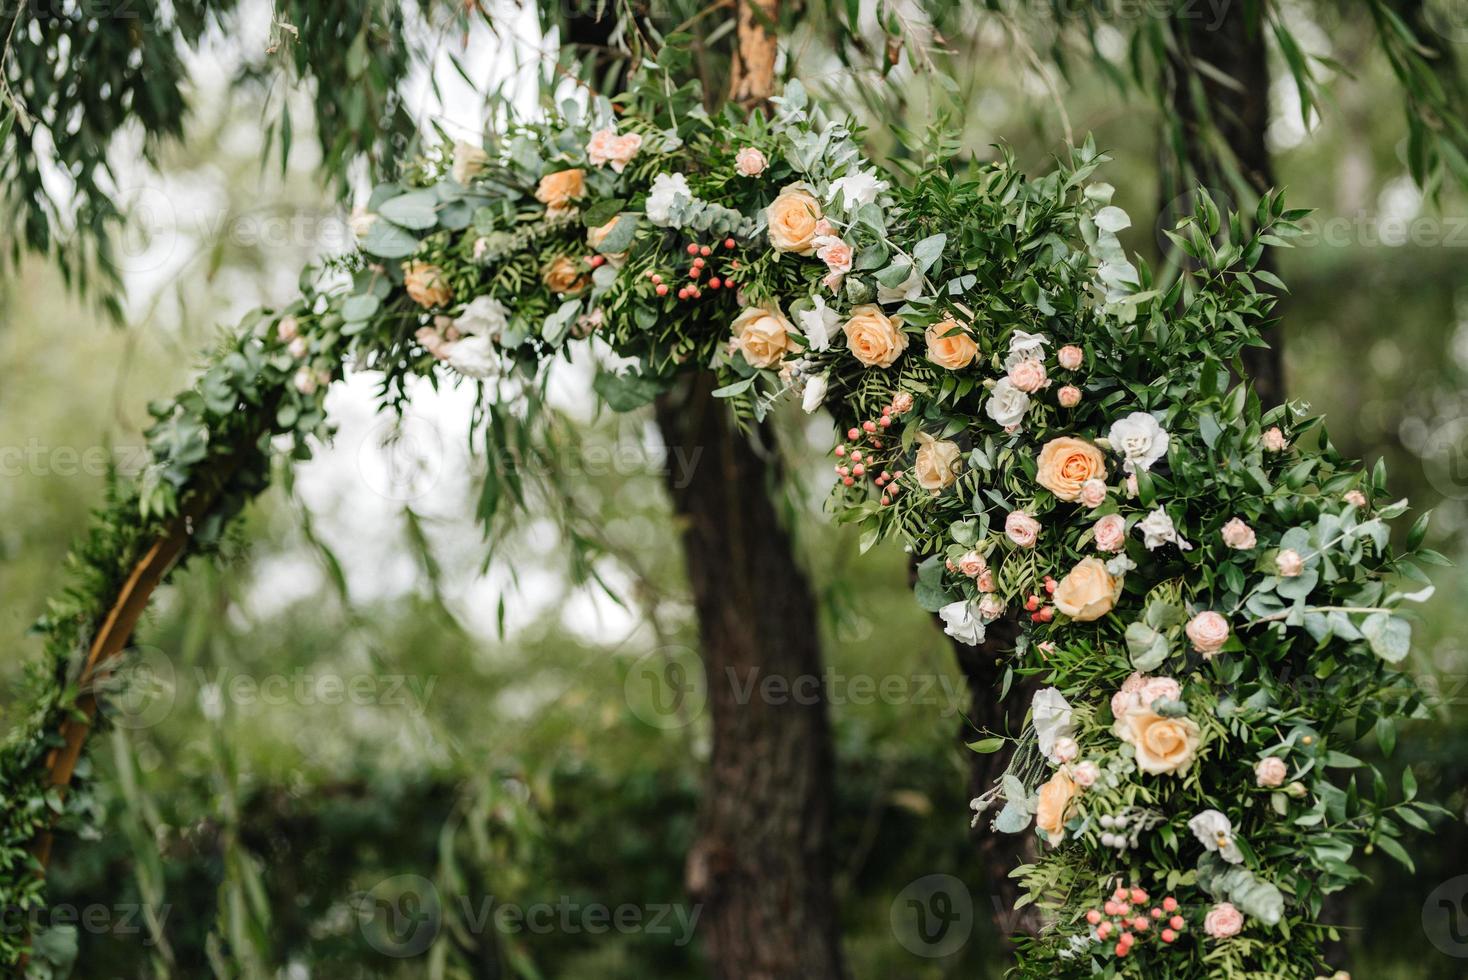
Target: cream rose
[972,564]
[1111,533]
[1288,563]
[1066,463]
[874,338]
[1274,440]
[1093,493]
[1028,374]
[1164,745]
[1088,592]
[559,190]
[792,217]
[1050,810]
[950,347]
[1070,357]
[1223,921]
[1069,396]
[762,335]
[750,162]
[937,463]
[1085,774]
[426,284]
[1270,772]
[1022,529]
[1238,535]
[469,162]
[1208,632]
[607,147]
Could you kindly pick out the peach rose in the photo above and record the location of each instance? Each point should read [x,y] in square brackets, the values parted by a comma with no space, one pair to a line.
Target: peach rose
[750,162]
[1069,396]
[1111,533]
[1270,772]
[564,275]
[607,147]
[1289,563]
[1085,774]
[1088,592]
[950,347]
[793,216]
[1021,528]
[1054,800]
[1066,463]
[426,284]
[1028,374]
[1355,498]
[937,463]
[1238,535]
[1070,357]
[1274,440]
[1208,631]
[763,335]
[1093,493]
[1223,921]
[873,337]
[990,606]
[972,564]
[1164,745]
[901,402]
[559,190]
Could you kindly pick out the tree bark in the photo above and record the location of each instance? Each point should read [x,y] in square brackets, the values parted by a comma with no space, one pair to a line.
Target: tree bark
[761,862]
[1218,136]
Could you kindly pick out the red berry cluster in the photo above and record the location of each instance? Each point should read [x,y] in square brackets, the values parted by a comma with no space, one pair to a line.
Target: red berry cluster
[1040,611]
[1124,917]
[867,438]
[696,270]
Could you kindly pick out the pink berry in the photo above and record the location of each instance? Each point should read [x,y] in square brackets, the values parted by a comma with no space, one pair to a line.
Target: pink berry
[1120,894]
[692,249]
[1103,930]
[1168,935]
[706,251]
[1140,923]
[715,282]
[662,290]
[657,280]
[695,272]
[885,475]
[1031,604]
[1123,949]
[856,456]
[1138,896]
[1169,904]
[886,421]
[841,450]
[698,263]
[876,443]
[730,284]
[848,481]
[1156,913]
[858,470]
[683,293]
[886,501]
[897,475]
[1093,917]
[1176,922]
[729,243]
[596,261]
[869,426]
[853,433]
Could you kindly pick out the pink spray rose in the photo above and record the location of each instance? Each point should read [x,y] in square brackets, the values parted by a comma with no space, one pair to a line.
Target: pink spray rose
[1238,535]
[1208,631]
[750,162]
[1111,533]
[1270,772]
[1070,357]
[1223,921]
[1028,374]
[1022,529]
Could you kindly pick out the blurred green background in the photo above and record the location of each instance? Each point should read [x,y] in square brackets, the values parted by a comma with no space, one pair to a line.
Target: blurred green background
[362,702]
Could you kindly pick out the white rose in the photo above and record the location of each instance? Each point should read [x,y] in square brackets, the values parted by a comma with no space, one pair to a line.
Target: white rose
[485,316]
[815,393]
[1139,439]
[819,323]
[857,188]
[668,190]
[1050,713]
[1007,404]
[910,289]
[1027,345]
[473,356]
[469,162]
[961,621]
[1157,530]
[1216,833]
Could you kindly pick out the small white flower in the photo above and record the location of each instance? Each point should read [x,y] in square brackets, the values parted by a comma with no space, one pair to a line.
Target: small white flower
[1157,530]
[1007,404]
[815,393]
[485,316]
[857,188]
[1139,439]
[473,356]
[1120,565]
[961,621]
[668,190]
[469,162]
[819,323]
[909,289]
[1216,833]
[1050,713]
[1024,345]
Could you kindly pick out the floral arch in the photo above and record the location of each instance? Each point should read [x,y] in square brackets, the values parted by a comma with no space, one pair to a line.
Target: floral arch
[1057,437]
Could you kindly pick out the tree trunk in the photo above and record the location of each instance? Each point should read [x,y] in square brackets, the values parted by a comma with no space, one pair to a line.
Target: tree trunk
[1218,131]
[761,863]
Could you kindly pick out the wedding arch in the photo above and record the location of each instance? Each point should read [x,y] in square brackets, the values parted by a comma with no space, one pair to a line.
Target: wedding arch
[1060,440]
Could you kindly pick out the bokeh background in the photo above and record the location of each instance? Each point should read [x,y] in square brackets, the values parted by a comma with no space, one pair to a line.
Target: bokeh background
[370,700]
